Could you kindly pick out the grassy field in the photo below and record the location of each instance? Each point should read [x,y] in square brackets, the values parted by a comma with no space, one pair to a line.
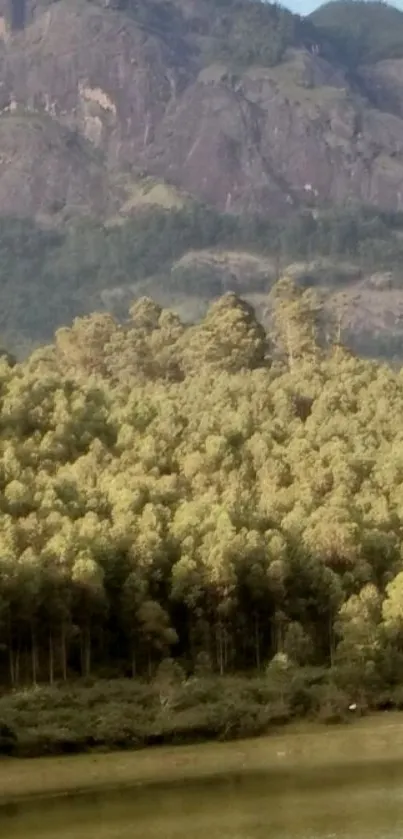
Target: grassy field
[302,746]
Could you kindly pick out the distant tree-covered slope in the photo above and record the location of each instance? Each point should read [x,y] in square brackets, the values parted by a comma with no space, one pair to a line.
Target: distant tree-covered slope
[189,256]
[365,31]
[253,32]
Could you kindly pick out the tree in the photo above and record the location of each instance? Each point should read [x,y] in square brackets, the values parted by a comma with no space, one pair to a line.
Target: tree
[392,607]
[81,349]
[134,592]
[88,593]
[156,633]
[229,338]
[295,314]
[359,648]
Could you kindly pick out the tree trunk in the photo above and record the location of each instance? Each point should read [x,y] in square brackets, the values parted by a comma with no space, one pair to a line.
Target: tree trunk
[86,652]
[191,638]
[331,640]
[63,653]
[51,660]
[220,651]
[279,633]
[11,663]
[257,641]
[34,656]
[11,652]
[17,666]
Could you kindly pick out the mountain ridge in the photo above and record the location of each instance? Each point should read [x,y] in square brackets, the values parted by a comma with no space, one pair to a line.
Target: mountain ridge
[258,130]
[112,110]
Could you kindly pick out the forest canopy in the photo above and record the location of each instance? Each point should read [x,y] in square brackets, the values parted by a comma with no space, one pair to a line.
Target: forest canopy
[200,491]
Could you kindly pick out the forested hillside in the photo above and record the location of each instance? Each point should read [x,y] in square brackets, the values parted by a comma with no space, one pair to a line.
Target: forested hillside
[199,490]
[363,32]
[188,256]
[204,482]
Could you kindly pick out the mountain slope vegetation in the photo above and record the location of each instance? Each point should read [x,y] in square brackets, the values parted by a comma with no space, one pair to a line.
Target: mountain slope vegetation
[125,125]
[201,218]
[187,256]
[364,31]
[215,494]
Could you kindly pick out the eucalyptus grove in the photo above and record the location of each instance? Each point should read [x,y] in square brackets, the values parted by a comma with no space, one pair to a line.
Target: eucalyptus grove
[206,492]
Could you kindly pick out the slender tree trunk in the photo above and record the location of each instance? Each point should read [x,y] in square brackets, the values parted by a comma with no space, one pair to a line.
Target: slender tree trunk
[51,660]
[276,634]
[279,633]
[209,641]
[225,638]
[257,641]
[11,664]
[331,639]
[63,653]
[191,639]
[17,665]
[34,656]
[219,645]
[245,651]
[86,652]
[102,643]
[11,653]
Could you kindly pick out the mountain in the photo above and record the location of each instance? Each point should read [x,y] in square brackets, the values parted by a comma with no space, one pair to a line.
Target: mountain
[241,104]
[115,113]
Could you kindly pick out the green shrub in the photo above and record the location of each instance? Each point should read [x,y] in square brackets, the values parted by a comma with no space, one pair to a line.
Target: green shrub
[128,714]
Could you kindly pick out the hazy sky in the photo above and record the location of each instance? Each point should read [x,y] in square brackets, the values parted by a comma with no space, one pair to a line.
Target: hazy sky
[303,7]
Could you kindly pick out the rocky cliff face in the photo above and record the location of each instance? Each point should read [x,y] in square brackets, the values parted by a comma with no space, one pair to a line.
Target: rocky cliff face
[149,95]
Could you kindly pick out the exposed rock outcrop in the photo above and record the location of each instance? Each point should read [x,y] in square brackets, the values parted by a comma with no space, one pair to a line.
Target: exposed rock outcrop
[148,98]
